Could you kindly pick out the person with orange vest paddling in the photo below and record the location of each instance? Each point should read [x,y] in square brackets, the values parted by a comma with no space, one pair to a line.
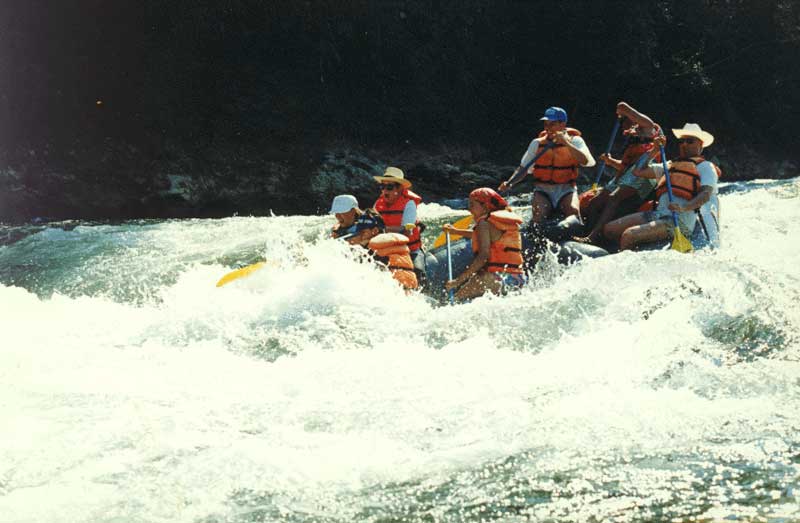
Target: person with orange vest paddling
[397,205]
[694,186]
[496,244]
[555,171]
[626,192]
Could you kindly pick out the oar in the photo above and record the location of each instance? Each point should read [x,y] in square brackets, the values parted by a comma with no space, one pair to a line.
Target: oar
[250,269]
[602,166]
[464,222]
[449,267]
[679,243]
[467,220]
[239,273]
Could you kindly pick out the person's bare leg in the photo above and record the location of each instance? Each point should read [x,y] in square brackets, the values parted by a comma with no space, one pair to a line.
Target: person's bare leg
[613,230]
[540,207]
[477,286]
[646,233]
[617,196]
[569,205]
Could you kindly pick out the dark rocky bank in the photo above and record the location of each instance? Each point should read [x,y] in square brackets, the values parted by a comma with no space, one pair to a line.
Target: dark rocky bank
[146,109]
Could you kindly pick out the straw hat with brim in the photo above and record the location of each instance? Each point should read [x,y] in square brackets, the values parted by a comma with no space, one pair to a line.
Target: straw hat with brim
[393,175]
[694,130]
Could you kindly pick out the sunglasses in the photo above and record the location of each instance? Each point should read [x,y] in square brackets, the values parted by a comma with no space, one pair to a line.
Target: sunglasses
[389,186]
[687,140]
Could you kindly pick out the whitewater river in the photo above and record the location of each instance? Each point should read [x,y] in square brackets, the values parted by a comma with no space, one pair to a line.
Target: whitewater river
[648,386]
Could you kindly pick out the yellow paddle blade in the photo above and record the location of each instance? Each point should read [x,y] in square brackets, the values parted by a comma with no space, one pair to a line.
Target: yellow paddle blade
[594,187]
[463,223]
[240,273]
[680,243]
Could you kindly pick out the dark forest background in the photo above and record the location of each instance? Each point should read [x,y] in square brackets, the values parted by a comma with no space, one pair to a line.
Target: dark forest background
[250,102]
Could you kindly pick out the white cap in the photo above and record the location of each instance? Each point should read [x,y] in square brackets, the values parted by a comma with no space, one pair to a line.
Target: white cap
[343,203]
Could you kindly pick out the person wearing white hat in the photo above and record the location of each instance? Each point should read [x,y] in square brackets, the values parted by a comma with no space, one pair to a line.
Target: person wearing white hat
[694,187]
[357,226]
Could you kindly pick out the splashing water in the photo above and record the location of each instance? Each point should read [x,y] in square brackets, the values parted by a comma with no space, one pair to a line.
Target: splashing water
[647,386]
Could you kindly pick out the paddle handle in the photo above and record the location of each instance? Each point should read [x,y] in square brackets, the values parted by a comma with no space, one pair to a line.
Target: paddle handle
[523,171]
[449,265]
[669,184]
[602,167]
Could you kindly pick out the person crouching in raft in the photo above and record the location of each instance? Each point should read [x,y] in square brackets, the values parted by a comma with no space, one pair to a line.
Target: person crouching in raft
[496,243]
[391,249]
[353,225]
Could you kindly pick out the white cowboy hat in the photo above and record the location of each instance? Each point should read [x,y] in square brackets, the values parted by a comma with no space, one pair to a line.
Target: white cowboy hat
[692,129]
[393,175]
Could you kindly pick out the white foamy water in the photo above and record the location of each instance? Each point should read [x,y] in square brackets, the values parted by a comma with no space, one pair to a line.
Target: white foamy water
[641,386]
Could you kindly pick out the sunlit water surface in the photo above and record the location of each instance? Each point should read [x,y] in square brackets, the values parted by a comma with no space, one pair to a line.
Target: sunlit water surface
[639,387]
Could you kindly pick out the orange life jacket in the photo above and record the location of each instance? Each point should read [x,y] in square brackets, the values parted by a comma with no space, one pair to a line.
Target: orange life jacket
[393,246]
[556,165]
[393,215]
[637,146]
[684,178]
[505,254]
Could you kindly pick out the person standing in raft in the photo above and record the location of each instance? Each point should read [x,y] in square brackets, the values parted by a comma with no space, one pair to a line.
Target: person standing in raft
[496,243]
[397,206]
[357,226]
[626,192]
[555,171]
[694,185]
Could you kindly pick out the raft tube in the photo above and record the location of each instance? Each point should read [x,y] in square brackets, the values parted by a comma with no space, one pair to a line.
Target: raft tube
[554,236]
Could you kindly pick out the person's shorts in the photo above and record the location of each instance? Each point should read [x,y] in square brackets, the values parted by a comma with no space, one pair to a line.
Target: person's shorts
[555,192]
[686,220]
[510,280]
[642,186]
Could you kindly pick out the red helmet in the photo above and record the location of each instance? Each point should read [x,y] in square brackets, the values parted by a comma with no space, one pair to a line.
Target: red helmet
[489,198]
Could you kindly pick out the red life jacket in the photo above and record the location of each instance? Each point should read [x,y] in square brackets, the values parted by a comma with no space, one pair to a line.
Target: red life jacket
[556,165]
[393,215]
[637,146]
[684,178]
[505,254]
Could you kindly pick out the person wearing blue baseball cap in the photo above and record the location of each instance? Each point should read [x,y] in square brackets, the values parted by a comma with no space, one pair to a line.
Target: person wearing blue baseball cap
[553,159]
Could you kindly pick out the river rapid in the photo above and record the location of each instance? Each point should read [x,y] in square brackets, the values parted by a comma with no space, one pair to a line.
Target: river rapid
[649,386]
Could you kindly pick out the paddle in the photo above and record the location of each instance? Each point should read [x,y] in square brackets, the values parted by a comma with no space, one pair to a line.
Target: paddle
[250,269]
[602,165]
[240,273]
[466,221]
[450,267]
[463,223]
[679,243]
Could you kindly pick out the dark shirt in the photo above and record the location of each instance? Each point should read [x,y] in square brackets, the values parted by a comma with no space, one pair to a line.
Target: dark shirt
[369,219]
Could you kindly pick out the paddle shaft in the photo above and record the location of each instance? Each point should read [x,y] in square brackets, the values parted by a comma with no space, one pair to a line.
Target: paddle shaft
[523,171]
[449,266]
[669,184]
[602,166]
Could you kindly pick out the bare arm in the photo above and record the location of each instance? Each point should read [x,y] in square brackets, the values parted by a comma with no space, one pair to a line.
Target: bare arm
[640,119]
[458,232]
[695,203]
[481,257]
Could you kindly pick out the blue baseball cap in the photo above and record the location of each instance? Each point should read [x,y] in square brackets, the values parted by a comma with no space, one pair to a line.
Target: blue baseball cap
[554,114]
